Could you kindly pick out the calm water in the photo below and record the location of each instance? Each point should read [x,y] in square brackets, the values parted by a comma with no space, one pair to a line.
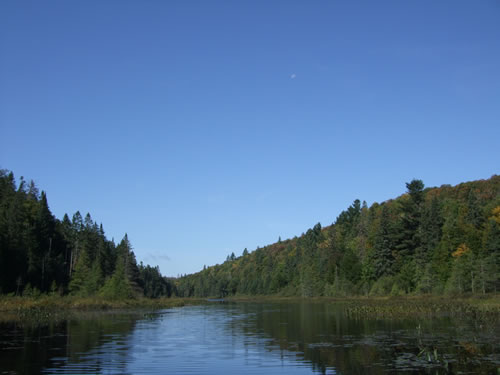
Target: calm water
[249,338]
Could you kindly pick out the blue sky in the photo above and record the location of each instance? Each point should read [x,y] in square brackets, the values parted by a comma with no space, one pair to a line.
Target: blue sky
[204,127]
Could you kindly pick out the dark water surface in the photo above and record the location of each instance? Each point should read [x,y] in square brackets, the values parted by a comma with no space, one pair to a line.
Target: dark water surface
[249,338]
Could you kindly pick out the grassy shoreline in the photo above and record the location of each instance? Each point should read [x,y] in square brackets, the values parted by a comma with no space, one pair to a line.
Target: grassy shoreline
[488,300]
[483,309]
[45,308]
[10,304]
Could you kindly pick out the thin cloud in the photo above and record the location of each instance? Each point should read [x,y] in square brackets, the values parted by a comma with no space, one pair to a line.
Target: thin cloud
[293,76]
[156,258]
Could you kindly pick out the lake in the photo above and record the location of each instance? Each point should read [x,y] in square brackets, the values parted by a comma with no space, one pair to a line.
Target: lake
[300,337]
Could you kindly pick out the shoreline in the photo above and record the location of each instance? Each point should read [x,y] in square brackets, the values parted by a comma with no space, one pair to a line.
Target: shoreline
[49,309]
[52,308]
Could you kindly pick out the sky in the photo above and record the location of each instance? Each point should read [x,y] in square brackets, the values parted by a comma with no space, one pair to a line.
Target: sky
[201,128]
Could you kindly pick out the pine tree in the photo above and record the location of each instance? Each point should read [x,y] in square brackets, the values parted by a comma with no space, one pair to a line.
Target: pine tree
[80,275]
[382,255]
[117,286]
[432,222]
[407,234]
[124,250]
[411,215]
[474,212]
[430,236]
[490,258]
[77,226]
[45,227]
[94,280]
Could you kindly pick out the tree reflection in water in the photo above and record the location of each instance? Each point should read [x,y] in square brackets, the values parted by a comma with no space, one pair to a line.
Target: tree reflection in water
[249,338]
[324,336]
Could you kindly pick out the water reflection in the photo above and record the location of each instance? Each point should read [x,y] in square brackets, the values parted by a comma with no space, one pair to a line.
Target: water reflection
[29,349]
[248,338]
[200,340]
[323,335]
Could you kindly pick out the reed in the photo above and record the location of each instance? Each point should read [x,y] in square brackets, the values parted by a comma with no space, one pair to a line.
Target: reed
[45,308]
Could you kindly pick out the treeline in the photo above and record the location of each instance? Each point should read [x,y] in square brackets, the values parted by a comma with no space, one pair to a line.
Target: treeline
[439,240]
[41,254]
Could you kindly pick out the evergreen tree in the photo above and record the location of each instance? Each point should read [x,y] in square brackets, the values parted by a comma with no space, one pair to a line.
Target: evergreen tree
[79,277]
[432,222]
[349,218]
[422,241]
[350,267]
[40,253]
[45,229]
[383,258]
[117,286]
[94,280]
[474,212]
[67,235]
[124,251]
[77,224]
[430,236]
[489,267]
[407,235]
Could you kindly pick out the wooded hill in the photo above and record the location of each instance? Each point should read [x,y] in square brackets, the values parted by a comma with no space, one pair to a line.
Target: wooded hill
[434,240]
[41,254]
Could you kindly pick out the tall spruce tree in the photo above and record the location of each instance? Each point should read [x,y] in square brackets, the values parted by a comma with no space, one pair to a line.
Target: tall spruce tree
[430,237]
[124,250]
[77,284]
[117,286]
[383,246]
[430,233]
[45,227]
[408,234]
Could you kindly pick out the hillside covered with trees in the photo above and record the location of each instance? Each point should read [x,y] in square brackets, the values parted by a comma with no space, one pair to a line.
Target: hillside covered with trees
[428,240]
[434,240]
[41,254]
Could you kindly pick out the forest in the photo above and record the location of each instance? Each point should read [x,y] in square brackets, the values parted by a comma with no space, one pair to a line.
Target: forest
[40,254]
[442,240]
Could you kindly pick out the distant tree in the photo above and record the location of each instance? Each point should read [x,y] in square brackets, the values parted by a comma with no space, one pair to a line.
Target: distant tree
[350,267]
[407,236]
[88,223]
[489,258]
[39,262]
[383,246]
[460,280]
[77,222]
[431,224]
[125,253]
[349,218]
[154,284]
[79,277]
[474,212]
[117,287]
[430,237]
[94,279]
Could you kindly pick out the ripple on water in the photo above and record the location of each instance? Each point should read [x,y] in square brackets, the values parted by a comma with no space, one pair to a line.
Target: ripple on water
[247,339]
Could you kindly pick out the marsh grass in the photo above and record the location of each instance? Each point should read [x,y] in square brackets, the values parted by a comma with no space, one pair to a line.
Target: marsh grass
[483,308]
[46,309]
